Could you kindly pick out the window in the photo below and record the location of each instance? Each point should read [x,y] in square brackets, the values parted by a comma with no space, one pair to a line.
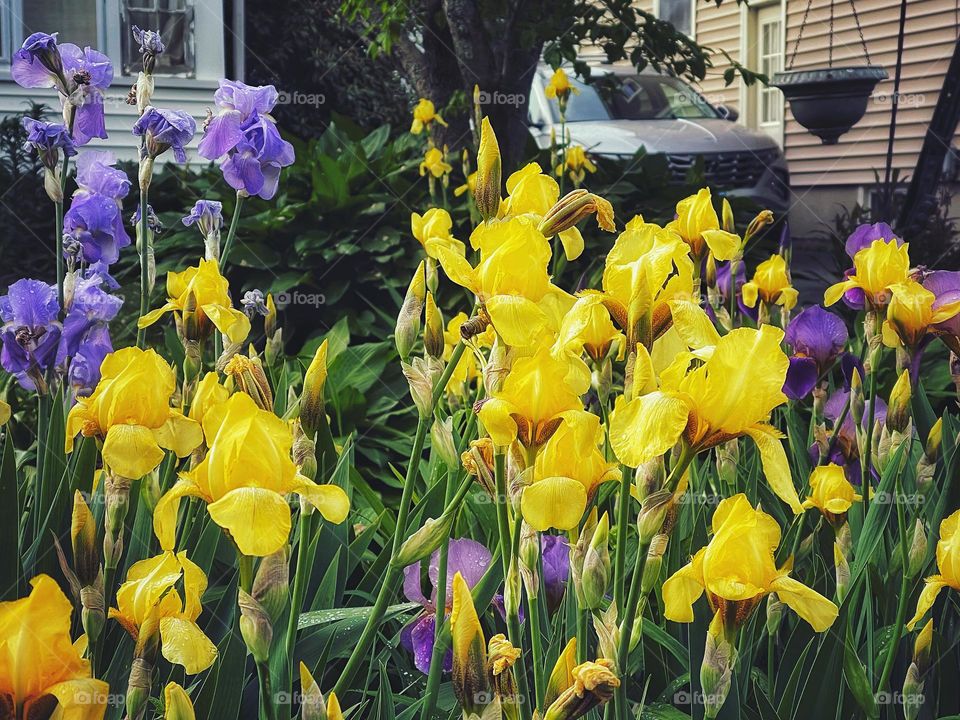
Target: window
[74,20]
[174,20]
[771,61]
[679,13]
[635,97]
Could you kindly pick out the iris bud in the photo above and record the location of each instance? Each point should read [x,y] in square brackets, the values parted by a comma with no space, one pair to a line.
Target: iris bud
[424,541]
[574,207]
[312,706]
[312,407]
[433,341]
[255,627]
[422,375]
[596,566]
[408,321]
[716,672]
[248,374]
[652,514]
[593,684]
[487,191]
[917,555]
[898,409]
[176,703]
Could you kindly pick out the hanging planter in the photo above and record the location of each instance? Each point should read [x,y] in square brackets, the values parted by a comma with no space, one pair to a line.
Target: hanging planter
[829,101]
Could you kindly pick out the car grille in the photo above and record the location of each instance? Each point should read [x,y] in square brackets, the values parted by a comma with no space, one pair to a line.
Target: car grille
[730,170]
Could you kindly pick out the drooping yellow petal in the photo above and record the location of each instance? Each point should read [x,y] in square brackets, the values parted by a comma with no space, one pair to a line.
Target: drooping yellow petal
[682,589]
[165,513]
[928,596]
[258,519]
[693,324]
[724,245]
[180,434]
[458,269]
[330,500]
[497,418]
[183,643]
[555,502]
[79,699]
[131,451]
[646,427]
[776,467]
[810,605]
[572,242]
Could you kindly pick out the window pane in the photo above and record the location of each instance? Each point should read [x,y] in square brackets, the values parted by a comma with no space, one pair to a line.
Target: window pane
[75,20]
[678,13]
[174,20]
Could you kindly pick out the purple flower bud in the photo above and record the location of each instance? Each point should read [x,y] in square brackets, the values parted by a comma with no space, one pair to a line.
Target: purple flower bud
[30,332]
[153,222]
[150,41]
[165,129]
[207,215]
[48,139]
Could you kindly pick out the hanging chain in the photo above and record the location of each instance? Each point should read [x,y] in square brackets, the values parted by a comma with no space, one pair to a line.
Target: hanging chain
[856,19]
[796,45]
[830,46]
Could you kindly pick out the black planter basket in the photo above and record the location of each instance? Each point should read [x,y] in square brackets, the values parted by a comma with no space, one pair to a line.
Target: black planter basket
[829,102]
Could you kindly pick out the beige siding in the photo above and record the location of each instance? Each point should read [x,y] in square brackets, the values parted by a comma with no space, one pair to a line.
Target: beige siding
[719,28]
[931,32]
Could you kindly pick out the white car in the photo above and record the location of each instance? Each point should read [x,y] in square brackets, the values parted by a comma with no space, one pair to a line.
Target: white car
[621,111]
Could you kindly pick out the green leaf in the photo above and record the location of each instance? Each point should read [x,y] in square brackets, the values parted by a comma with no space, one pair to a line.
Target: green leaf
[10,569]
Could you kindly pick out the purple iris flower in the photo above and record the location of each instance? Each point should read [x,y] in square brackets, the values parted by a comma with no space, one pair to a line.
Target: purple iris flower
[254,164]
[723,287]
[30,332]
[38,64]
[96,174]
[84,371]
[85,340]
[164,130]
[865,235]
[207,215]
[95,221]
[243,130]
[471,560]
[555,551]
[945,285]
[48,139]
[817,337]
[150,41]
[236,102]
[88,73]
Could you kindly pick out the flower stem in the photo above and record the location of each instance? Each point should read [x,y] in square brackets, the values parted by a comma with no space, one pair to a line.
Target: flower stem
[267,709]
[58,214]
[144,268]
[620,556]
[388,586]
[536,628]
[302,572]
[232,232]
[901,616]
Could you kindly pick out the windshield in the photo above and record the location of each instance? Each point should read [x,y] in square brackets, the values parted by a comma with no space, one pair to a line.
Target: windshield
[639,97]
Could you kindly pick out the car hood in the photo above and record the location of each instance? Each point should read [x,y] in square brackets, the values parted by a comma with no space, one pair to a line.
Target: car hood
[686,137]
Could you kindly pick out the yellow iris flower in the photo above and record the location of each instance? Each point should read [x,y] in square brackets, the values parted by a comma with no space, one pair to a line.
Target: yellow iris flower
[150,601]
[39,660]
[646,268]
[423,114]
[876,269]
[737,570]
[129,410]
[568,470]
[830,492]
[432,230]
[210,293]
[698,225]
[510,280]
[948,563]
[724,388]
[910,314]
[529,407]
[469,186]
[771,284]
[434,163]
[244,478]
[559,87]
[575,161]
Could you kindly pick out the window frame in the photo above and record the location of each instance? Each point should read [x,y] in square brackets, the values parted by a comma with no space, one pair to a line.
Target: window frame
[693,16]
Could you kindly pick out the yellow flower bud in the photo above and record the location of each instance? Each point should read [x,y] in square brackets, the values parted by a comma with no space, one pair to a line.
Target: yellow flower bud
[898,408]
[312,706]
[408,321]
[176,703]
[471,683]
[574,207]
[487,192]
[83,537]
[255,627]
[312,408]
[433,341]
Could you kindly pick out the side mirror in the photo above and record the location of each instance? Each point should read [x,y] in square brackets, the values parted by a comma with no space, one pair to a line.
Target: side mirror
[728,113]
